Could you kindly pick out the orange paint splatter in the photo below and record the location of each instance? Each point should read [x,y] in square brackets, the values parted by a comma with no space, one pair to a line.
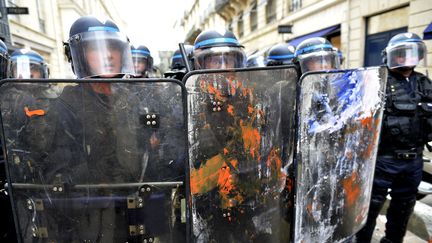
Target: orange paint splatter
[230,110]
[371,143]
[154,141]
[215,91]
[352,189]
[232,86]
[309,208]
[225,179]
[289,184]
[274,163]
[30,113]
[205,178]
[250,109]
[367,122]
[101,88]
[251,140]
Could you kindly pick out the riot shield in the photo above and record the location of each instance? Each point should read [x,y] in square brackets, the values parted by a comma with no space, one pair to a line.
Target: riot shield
[96,161]
[241,134]
[339,125]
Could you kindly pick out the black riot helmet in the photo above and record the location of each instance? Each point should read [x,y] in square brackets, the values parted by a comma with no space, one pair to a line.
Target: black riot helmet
[280,54]
[142,60]
[4,60]
[97,48]
[316,54]
[218,50]
[177,62]
[256,60]
[27,64]
[405,50]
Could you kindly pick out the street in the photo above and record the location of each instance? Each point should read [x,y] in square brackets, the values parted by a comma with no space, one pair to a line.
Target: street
[419,226]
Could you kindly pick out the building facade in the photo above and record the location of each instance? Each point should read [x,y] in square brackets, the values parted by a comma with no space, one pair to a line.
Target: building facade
[359,28]
[47,25]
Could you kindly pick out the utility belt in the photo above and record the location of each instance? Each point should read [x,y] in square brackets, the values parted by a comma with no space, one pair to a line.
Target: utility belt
[403,154]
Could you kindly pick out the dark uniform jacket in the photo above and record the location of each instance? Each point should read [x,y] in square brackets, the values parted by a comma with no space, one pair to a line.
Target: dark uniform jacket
[407,120]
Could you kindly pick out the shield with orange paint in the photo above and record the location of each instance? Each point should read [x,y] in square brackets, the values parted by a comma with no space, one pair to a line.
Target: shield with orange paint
[241,134]
[96,160]
[339,125]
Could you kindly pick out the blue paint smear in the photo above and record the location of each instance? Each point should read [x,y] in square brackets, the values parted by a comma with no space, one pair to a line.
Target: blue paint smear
[345,86]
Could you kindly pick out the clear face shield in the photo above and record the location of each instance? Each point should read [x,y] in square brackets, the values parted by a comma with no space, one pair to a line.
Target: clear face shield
[142,64]
[103,54]
[23,67]
[256,61]
[405,54]
[319,61]
[220,58]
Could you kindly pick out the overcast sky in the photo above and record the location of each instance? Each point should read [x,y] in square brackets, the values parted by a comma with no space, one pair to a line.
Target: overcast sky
[151,22]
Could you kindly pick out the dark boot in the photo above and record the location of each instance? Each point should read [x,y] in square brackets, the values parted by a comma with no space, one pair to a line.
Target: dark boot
[398,215]
[365,234]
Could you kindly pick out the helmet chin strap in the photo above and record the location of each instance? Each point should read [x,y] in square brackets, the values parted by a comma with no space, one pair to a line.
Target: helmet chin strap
[405,71]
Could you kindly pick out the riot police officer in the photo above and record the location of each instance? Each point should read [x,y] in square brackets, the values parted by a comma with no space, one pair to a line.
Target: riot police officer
[177,62]
[256,60]
[97,48]
[405,130]
[280,54]
[218,50]
[316,54]
[85,150]
[142,60]
[25,64]
[178,66]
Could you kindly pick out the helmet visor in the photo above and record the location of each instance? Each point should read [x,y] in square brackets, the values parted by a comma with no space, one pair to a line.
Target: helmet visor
[23,67]
[406,54]
[141,64]
[220,58]
[256,61]
[100,54]
[319,61]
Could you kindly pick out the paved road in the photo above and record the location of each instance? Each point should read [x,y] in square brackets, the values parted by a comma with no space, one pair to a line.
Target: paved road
[419,227]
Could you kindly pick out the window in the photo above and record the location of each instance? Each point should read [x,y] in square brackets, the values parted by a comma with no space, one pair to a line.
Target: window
[41,15]
[240,25]
[270,11]
[253,19]
[294,5]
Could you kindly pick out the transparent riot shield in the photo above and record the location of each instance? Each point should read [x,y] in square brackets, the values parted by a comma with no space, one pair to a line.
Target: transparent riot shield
[339,125]
[96,161]
[241,134]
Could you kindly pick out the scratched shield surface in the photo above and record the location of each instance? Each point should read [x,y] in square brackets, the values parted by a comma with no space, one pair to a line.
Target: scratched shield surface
[240,132]
[339,125]
[95,162]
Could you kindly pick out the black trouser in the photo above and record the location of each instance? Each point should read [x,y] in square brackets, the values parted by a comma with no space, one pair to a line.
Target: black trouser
[402,177]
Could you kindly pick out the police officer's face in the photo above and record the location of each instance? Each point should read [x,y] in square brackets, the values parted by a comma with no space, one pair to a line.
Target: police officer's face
[35,71]
[219,61]
[319,63]
[140,65]
[107,63]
